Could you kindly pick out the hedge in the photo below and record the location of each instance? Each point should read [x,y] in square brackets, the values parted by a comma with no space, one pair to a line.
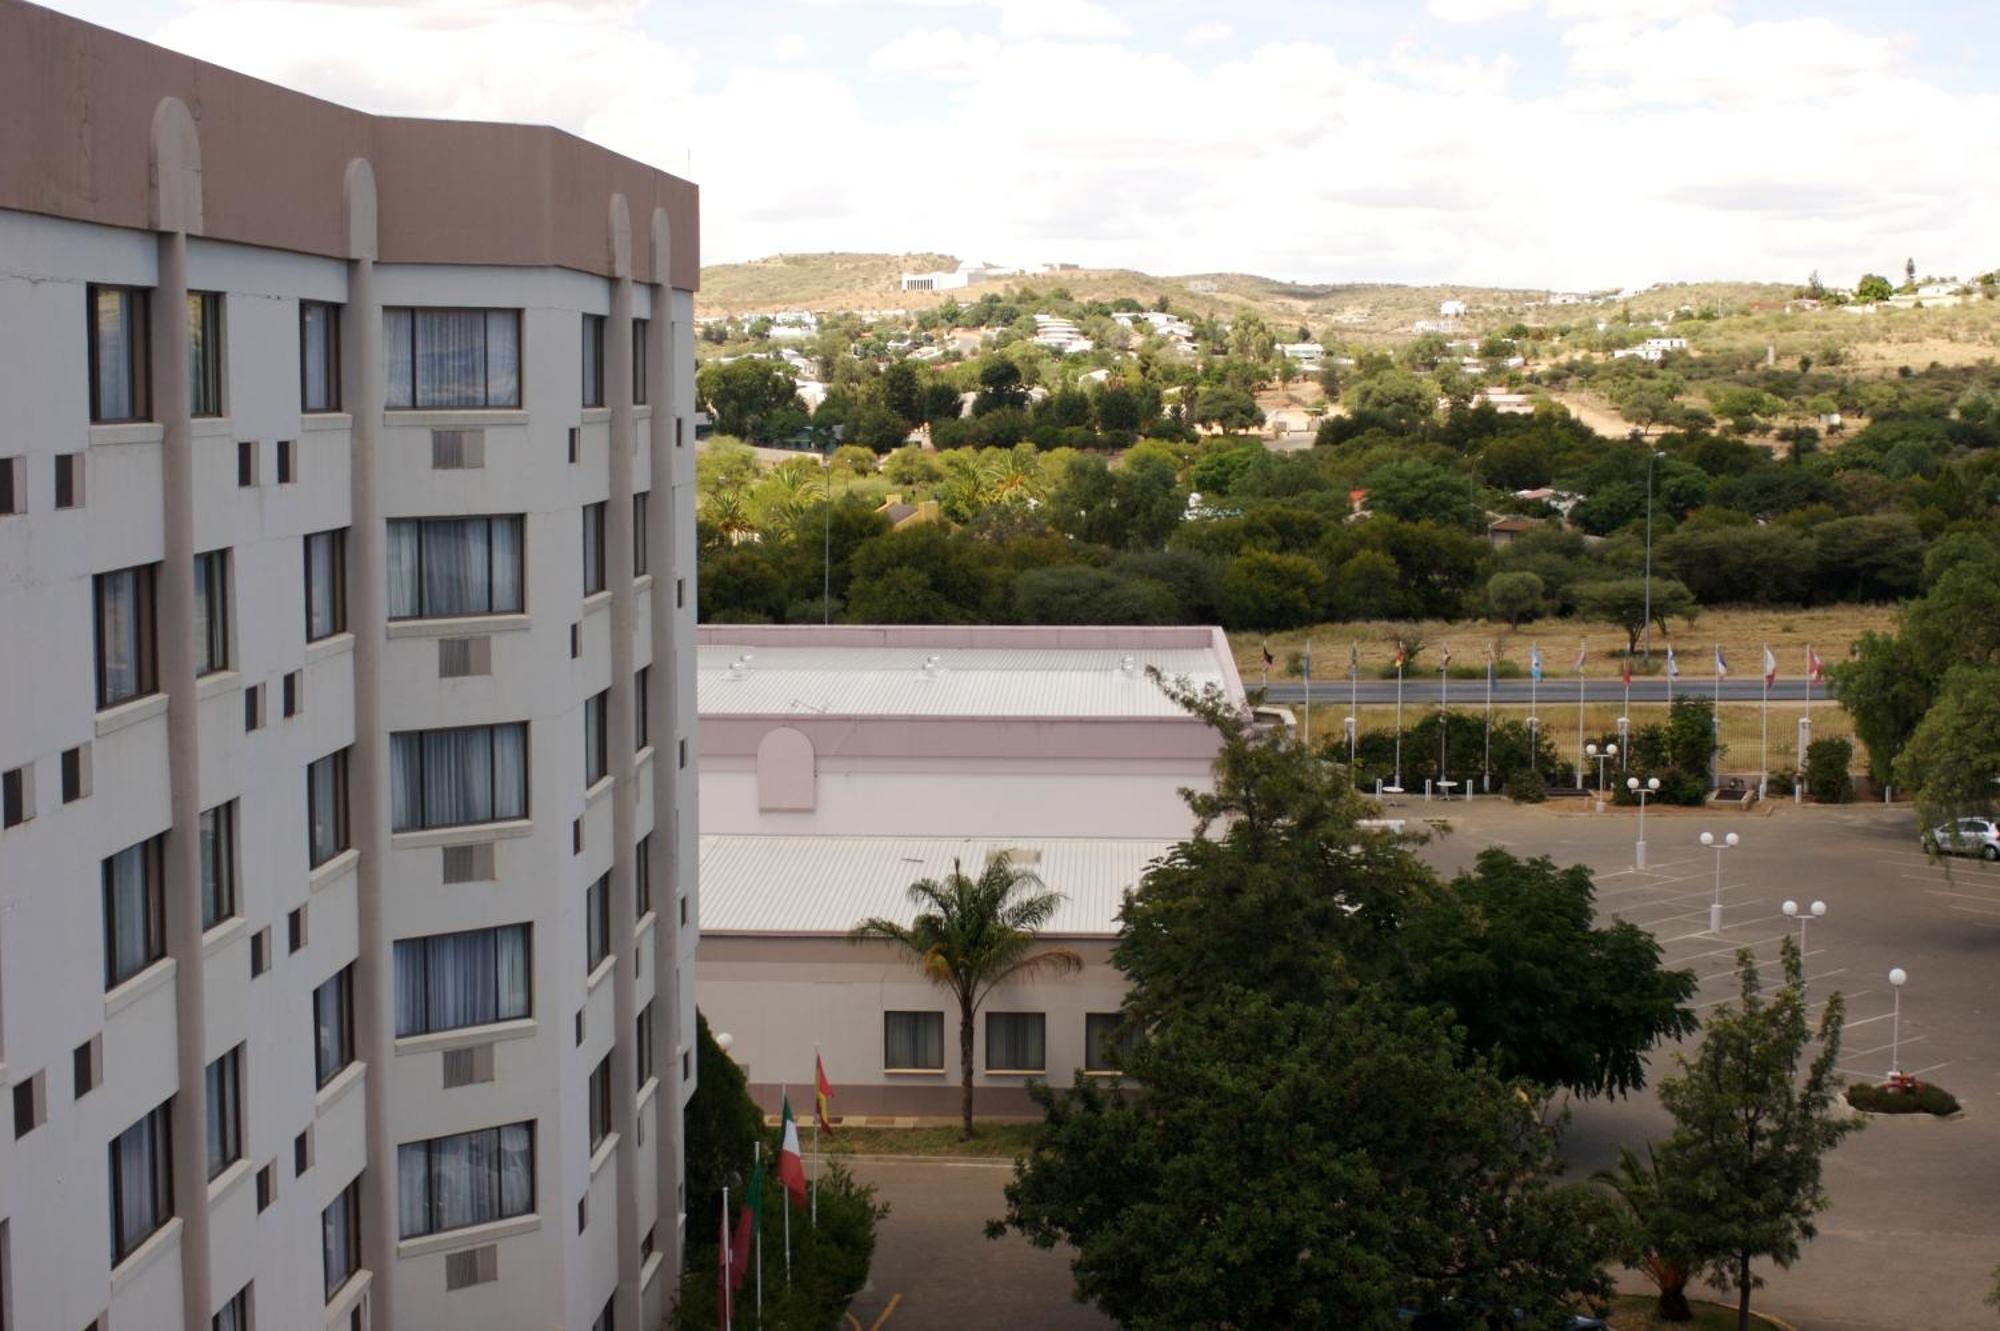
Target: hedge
[1925,1099]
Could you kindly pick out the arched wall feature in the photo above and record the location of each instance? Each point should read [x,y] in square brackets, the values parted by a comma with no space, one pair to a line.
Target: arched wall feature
[787,775]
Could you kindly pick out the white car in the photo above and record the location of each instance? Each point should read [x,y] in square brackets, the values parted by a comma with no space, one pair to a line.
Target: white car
[1968,836]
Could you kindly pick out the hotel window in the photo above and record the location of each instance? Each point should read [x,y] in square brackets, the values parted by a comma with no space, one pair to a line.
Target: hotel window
[142,1181]
[234,1315]
[454,778]
[204,353]
[134,911]
[446,982]
[211,612]
[126,664]
[120,365]
[326,808]
[225,1111]
[639,329]
[340,1238]
[606,1319]
[1107,1042]
[639,546]
[642,875]
[913,1041]
[596,923]
[1014,1042]
[333,1025]
[216,831]
[642,687]
[474,1178]
[595,760]
[319,356]
[642,1044]
[326,584]
[593,360]
[452,358]
[600,1103]
[593,549]
[442,567]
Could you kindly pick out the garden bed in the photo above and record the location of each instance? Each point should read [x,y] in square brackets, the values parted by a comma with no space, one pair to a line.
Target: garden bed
[1908,1096]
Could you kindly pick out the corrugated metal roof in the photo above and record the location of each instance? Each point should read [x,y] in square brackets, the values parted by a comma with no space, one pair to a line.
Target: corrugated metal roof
[943,681]
[827,885]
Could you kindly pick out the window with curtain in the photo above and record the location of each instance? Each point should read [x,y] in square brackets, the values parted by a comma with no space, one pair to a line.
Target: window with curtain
[441,567]
[225,1111]
[120,363]
[605,1320]
[1106,1041]
[596,923]
[596,762]
[326,584]
[134,910]
[642,875]
[234,1315]
[600,1103]
[639,330]
[1014,1042]
[216,831]
[340,1238]
[204,353]
[445,982]
[326,808]
[142,1181]
[441,359]
[593,360]
[211,612]
[642,687]
[473,1178]
[639,546]
[593,549]
[456,777]
[127,666]
[333,1025]
[319,356]
[642,1044]
[913,1041]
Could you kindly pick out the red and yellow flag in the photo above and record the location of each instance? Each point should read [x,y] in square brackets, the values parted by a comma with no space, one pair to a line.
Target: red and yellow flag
[822,1092]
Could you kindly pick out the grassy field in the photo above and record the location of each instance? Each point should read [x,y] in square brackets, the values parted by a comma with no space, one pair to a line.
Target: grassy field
[1634,1312]
[995,1140]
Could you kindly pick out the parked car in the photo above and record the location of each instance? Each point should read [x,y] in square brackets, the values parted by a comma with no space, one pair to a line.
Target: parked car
[1967,836]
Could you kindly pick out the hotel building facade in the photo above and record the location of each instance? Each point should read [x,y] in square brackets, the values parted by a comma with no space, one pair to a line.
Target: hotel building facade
[347,816]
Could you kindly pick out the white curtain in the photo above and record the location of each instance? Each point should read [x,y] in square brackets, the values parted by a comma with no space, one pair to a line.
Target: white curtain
[454,566]
[323,809]
[503,358]
[452,778]
[593,548]
[316,330]
[330,1046]
[458,776]
[451,981]
[413,1195]
[128,902]
[336,1241]
[510,770]
[511,973]
[1014,1040]
[473,1178]
[405,559]
[913,1040]
[213,835]
[506,540]
[456,558]
[211,624]
[137,1157]
[118,634]
[223,1137]
[323,582]
[114,316]
[517,1169]
[399,354]
[451,358]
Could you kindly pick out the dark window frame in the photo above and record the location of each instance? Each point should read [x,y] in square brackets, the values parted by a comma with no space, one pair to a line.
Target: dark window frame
[146,595]
[593,360]
[158,1124]
[424,525]
[596,738]
[227,1101]
[153,850]
[1118,1041]
[641,546]
[139,351]
[211,583]
[925,1016]
[337,538]
[424,1027]
[599,1104]
[424,823]
[349,1200]
[596,923]
[992,1017]
[486,403]
[332,369]
[342,832]
[641,331]
[227,865]
[642,876]
[431,1206]
[642,1044]
[594,517]
[205,377]
[335,993]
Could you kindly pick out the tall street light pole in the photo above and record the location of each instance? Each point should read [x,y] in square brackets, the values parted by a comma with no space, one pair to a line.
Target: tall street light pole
[1718,845]
[1816,911]
[1651,787]
[1897,978]
[1647,630]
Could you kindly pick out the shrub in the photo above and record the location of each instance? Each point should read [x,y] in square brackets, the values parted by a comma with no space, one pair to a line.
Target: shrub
[1526,786]
[1923,1099]
[1827,779]
[1779,783]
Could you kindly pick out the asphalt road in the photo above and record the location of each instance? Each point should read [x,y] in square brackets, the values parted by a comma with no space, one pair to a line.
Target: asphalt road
[1553,689]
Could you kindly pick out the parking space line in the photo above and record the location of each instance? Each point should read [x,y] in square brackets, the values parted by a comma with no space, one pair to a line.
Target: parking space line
[1908,1039]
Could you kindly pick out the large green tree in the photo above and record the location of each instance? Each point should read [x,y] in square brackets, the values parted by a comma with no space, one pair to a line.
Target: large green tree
[1626,601]
[750,397]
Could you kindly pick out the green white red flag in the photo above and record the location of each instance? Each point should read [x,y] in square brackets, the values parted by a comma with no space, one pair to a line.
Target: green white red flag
[791,1163]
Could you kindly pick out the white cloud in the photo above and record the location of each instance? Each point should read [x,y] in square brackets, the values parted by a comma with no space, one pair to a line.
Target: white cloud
[1027,20]
[936,53]
[1207,34]
[1476,11]
[789,46]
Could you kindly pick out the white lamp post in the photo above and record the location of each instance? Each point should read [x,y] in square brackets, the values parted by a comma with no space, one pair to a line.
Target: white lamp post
[1718,845]
[1602,756]
[1897,977]
[1650,787]
[1816,911]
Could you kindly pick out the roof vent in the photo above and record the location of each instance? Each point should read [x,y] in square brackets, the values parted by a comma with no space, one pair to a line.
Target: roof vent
[932,667]
[1129,664]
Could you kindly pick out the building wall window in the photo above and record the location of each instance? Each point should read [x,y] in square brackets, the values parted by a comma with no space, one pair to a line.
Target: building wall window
[326,808]
[340,1238]
[326,584]
[1014,1042]
[596,923]
[211,612]
[333,1025]
[233,1315]
[445,982]
[453,778]
[127,666]
[600,1103]
[120,363]
[642,688]
[474,1178]
[593,549]
[441,567]
[639,542]
[134,911]
[216,830]
[204,353]
[452,358]
[225,1111]
[142,1181]
[605,1320]
[642,876]
[1106,1041]
[593,360]
[639,331]
[913,1041]
[642,1044]
[319,356]
[595,760]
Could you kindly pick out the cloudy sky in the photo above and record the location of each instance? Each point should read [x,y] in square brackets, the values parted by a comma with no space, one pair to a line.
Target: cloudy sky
[1563,143]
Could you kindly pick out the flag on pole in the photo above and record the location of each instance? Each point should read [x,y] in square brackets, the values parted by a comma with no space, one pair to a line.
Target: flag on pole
[791,1164]
[1673,666]
[1402,655]
[1309,658]
[1268,658]
[722,1288]
[1721,662]
[1353,657]
[1625,672]
[749,1219]
[822,1091]
[1770,668]
[1815,668]
[1582,649]
[1444,658]
[1535,661]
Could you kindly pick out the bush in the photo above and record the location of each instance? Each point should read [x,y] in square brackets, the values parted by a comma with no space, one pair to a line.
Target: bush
[1923,1099]
[1779,783]
[1526,786]
[1827,780]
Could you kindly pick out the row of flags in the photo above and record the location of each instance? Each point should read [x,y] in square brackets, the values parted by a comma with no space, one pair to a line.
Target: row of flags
[1815,668]
[733,1256]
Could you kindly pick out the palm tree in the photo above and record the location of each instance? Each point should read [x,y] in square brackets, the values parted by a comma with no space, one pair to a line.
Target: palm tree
[1654,1230]
[972,935]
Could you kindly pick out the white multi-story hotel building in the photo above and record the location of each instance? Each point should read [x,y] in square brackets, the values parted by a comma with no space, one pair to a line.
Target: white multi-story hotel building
[346,708]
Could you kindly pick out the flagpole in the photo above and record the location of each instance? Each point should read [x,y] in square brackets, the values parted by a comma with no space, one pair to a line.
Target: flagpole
[1764,739]
[1579,719]
[1399,718]
[1444,719]
[1486,762]
[757,1163]
[1353,706]
[1534,707]
[1308,729]
[817,1102]
[1625,735]
[784,1098]
[1715,723]
[727,1319]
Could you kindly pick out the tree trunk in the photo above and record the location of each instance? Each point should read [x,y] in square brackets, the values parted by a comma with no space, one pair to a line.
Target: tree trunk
[1674,1305]
[1743,1294]
[965,1071]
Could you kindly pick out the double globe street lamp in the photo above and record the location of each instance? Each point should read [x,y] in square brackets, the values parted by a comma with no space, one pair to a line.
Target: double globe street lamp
[1718,845]
[1804,915]
[1651,786]
[1603,755]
